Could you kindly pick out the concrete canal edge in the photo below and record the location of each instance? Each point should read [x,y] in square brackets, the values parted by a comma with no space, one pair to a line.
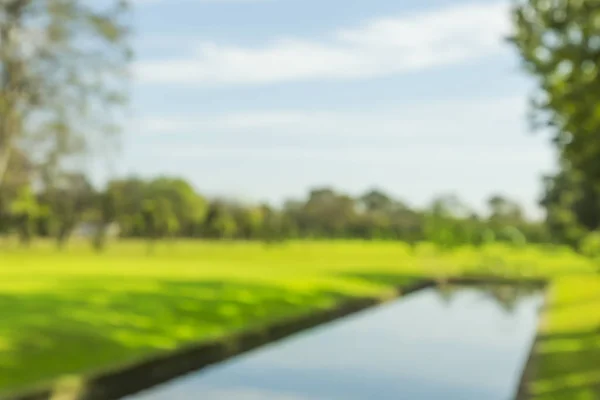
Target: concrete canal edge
[132,378]
[528,372]
[129,379]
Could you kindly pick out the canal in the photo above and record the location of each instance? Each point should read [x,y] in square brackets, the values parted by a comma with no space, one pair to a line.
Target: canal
[456,343]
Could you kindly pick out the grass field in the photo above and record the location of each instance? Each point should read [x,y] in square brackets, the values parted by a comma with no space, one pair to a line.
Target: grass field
[75,311]
[567,356]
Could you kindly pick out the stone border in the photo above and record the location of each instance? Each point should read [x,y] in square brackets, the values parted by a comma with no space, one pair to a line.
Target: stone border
[129,379]
[522,392]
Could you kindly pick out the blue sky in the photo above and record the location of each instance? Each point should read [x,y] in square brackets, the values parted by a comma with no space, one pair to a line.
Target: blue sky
[263,99]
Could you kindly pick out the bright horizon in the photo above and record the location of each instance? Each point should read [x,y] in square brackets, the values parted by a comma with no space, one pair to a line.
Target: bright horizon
[264,99]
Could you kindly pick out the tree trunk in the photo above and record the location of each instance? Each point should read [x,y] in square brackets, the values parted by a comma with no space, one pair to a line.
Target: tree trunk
[63,236]
[11,79]
[25,230]
[4,161]
[99,240]
[151,245]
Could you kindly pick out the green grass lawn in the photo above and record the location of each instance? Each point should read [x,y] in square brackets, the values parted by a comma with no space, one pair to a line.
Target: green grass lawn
[76,311]
[567,357]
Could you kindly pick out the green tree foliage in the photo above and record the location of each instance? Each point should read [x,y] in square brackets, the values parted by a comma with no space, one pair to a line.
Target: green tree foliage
[220,221]
[572,206]
[166,221]
[249,220]
[159,220]
[514,236]
[20,176]
[169,208]
[377,201]
[149,222]
[130,195]
[327,213]
[503,210]
[106,204]
[188,207]
[381,216]
[62,66]
[68,200]
[5,217]
[590,245]
[25,209]
[273,229]
[559,42]
[446,220]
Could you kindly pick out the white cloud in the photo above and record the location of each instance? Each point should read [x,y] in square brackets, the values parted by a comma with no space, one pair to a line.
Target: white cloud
[171,2]
[381,47]
[475,132]
[478,120]
[408,157]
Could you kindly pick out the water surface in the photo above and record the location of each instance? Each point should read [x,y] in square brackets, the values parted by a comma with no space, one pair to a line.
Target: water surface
[463,344]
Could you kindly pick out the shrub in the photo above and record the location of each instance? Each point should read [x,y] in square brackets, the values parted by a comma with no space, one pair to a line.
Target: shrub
[590,245]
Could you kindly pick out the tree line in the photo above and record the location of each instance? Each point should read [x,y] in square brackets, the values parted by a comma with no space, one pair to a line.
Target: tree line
[164,207]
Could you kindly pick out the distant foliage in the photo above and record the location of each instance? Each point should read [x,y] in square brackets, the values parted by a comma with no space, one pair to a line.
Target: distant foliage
[514,236]
[164,208]
[590,245]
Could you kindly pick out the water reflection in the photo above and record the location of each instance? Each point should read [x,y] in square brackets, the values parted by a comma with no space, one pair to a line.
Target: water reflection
[506,296]
[454,343]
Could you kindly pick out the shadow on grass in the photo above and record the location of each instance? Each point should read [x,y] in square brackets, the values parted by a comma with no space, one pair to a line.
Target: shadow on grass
[90,325]
[578,302]
[389,279]
[566,366]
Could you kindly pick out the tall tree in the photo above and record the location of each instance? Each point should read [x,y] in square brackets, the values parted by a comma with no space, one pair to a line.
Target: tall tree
[25,209]
[504,210]
[220,222]
[106,205]
[444,221]
[328,213]
[376,200]
[572,206]
[188,207]
[559,42]
[20,177]
[68,200]
[62,72]
[249,220]
[129,195]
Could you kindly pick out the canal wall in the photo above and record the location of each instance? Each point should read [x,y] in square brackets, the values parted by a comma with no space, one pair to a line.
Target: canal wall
[115,383]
